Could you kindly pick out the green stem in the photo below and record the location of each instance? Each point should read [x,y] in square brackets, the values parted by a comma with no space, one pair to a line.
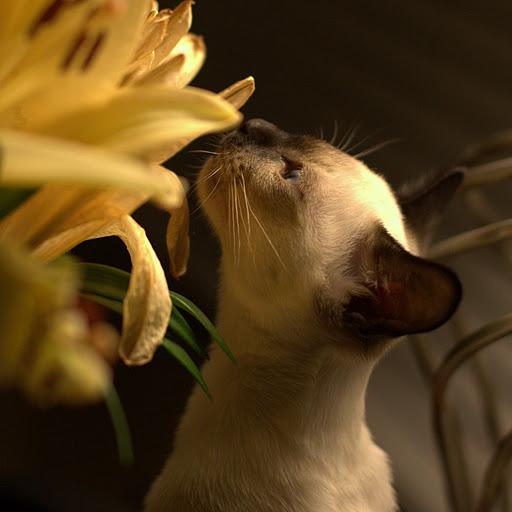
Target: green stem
[121,429]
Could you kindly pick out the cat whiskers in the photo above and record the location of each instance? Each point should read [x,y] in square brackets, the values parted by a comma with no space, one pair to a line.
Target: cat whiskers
[377,147]
[347,139]
[248,227]
[206,152]
[247,221]
[236,205]
[208,176]
[332,140]
[265,234]
[210,194]
[230,229]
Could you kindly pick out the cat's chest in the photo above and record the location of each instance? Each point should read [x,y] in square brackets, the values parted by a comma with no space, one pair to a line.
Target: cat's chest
[331,483]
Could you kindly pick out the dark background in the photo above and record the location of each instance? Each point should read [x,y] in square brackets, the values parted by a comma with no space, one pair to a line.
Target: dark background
[435,74]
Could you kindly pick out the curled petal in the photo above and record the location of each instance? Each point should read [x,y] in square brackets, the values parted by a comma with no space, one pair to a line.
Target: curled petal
[178,241]
[147,306]
[149,123]
[238,93]
[65,240]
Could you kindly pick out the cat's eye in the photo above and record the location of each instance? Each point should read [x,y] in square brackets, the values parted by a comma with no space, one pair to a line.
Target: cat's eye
[292,171]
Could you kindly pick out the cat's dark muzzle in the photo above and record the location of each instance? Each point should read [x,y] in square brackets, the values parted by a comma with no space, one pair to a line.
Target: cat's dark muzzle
[252,132]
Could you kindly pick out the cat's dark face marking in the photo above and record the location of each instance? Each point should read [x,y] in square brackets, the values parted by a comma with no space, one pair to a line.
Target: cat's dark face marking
[301,225]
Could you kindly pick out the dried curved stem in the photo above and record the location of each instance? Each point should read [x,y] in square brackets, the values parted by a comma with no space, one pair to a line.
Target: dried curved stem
[486,174]
[463,350]
[495,474]
[487,398]
[455,451]
[473,239]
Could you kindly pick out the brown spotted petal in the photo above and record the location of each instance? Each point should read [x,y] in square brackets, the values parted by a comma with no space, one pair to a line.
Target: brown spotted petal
[74,59]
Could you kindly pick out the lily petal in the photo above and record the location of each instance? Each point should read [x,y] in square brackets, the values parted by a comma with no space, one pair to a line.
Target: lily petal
[185,62]
[178,240]
[30,160]
[46,214]
[155,29]
[178,25]
[238,93]
[147,305]
[57,218]
[149,123]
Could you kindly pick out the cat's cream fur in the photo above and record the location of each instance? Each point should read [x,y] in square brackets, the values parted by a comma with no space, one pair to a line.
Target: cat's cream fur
[286,429]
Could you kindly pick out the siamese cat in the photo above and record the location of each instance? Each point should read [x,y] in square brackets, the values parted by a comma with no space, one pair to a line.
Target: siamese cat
[320,274]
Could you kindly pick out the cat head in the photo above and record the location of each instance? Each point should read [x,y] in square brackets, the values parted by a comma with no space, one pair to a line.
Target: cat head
[308,230]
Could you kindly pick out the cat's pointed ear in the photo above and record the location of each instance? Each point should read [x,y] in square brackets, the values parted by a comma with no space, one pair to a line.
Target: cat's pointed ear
[423,204]
[400,293]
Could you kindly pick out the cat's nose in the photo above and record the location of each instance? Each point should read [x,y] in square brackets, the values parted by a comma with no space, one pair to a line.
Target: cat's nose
[260,131]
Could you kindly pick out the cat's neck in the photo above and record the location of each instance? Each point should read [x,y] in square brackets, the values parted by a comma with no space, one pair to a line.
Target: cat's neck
[286,380]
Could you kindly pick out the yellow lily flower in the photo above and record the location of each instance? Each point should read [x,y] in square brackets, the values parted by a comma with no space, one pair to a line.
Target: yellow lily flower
[47,347]
[90,102]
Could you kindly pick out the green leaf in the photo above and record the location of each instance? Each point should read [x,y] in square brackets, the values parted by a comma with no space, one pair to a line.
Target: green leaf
[188,306]
[121,429]
[112,283]
[178,325]
[104,280]
[177,352]
[173,348]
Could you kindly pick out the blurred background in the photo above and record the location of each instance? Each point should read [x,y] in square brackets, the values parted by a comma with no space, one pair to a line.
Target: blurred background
[437,76]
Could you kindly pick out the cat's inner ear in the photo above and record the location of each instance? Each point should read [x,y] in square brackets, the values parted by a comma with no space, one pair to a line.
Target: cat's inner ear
[401,293]
[423,204]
